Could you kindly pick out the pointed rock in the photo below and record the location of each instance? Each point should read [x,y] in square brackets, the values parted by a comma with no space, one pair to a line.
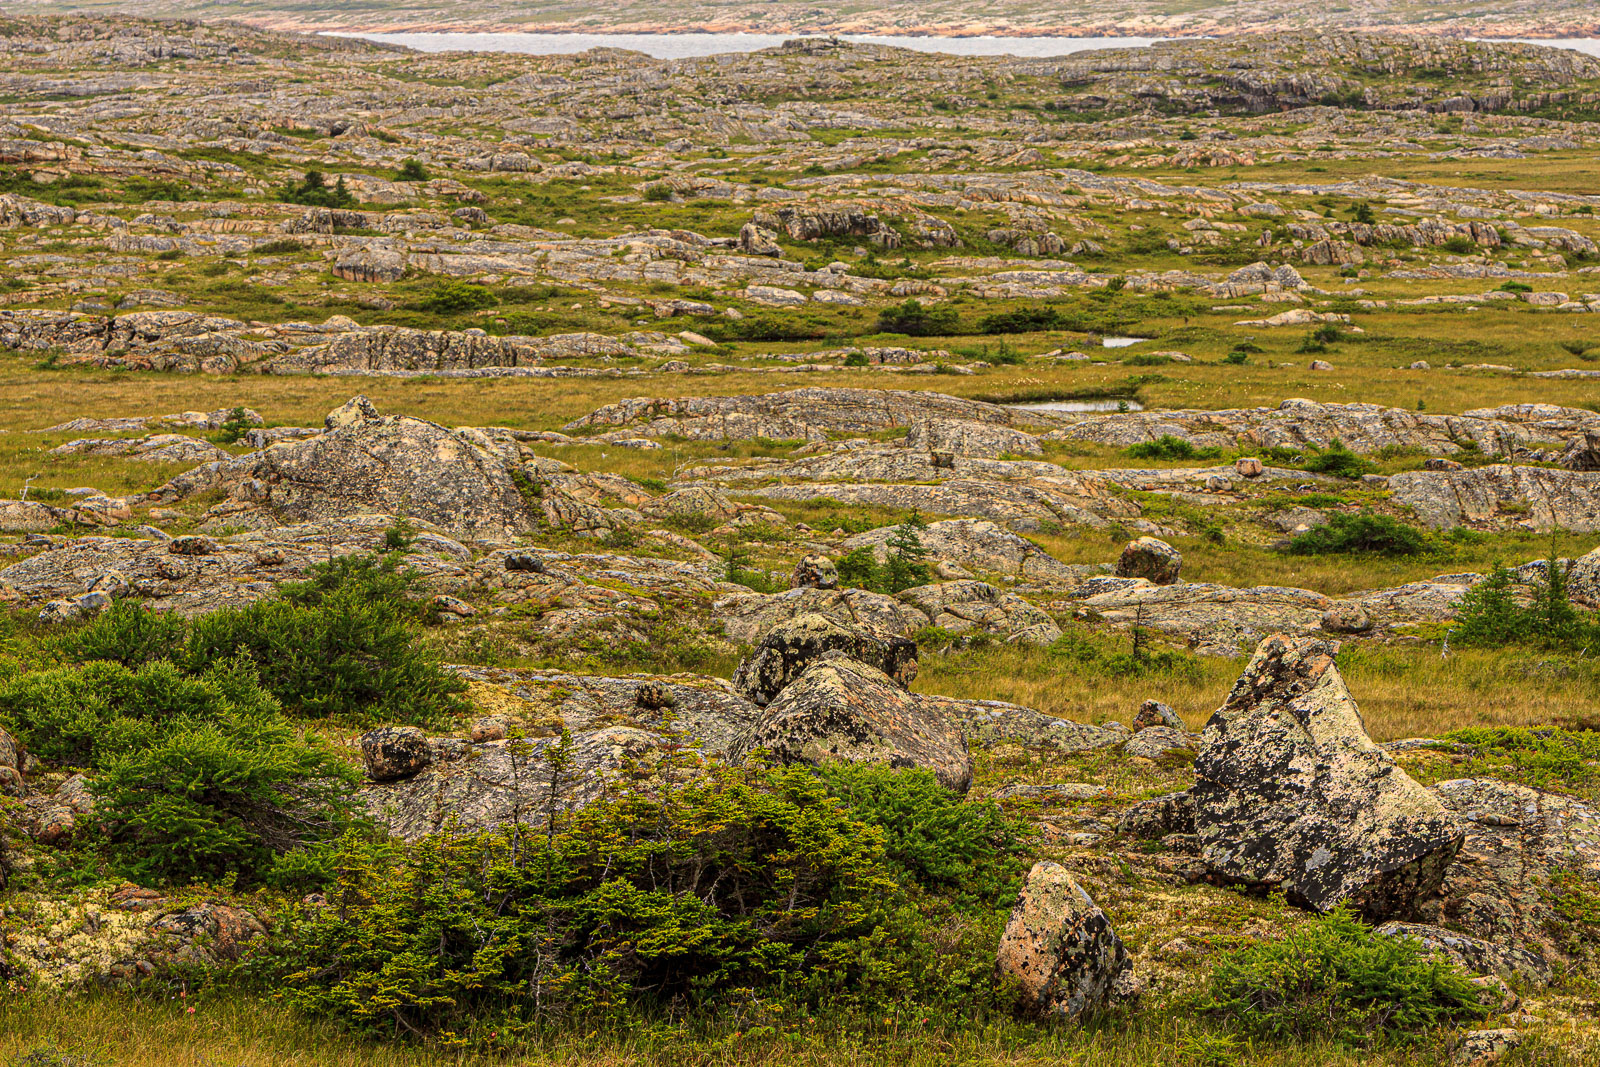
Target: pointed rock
[1292,794]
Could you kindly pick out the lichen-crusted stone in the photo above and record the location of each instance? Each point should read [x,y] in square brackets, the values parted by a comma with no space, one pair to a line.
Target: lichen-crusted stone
[1151,559]
[1155,713]
[814,572]
[1474,954]
[1522,846]
[393,752]
[843,711]
[791,647]
[10,766]
[1291,793]
[1059,946]
[461,480]
[964,437]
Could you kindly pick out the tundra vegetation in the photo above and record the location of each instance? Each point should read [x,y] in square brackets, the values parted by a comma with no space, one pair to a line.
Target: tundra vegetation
[832,554]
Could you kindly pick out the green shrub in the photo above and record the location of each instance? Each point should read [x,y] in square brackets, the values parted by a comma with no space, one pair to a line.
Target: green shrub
[658,194]
[1338,461]
[234,427]
[195,776]
[1361,532]
[1490,615]
[1334,978]
[858,569]
[454,298]
[84,716]
[411,170]
[128,633]
[1515,287]
[1170,448]
[206,799]
[343,643]
[1236,358]
[1103,655]
[283,246]
[916,320]
[970,850]
[315,191]
[1023,320]
[905,567]
[743,882]
[857,359]
[1546,757]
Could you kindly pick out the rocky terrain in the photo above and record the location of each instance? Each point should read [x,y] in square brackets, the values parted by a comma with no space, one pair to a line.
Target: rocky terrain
[1186,458]
[1152,18]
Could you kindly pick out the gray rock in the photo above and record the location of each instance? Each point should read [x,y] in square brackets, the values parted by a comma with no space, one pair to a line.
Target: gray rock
[1158,742]
[1155,713]
[843,711]
[1292,794]
[1474,954]
[1151,559]
[790,647]
[1157,817]
[1060,947]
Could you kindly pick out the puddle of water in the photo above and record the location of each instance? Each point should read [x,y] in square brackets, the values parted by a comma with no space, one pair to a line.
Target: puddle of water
[1082,405]
[1122,342]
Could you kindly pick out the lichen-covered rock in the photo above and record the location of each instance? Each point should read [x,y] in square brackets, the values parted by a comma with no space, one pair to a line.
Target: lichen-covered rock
[1172,813]
[964,437]
[1346,617]
[844,711]
[10,765]
[1292,794]
[977,544]
[208,933]
[1473,954]
[1522,847]
[394,752]
[791,647]
[461,480]
[963,606]
[1151,559]
[1160,742]
[814,572]
[1059,946]
[1155,713]
[1479,1048]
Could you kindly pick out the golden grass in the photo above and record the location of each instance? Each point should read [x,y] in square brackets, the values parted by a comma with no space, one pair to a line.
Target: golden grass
[242,1031]
[1409,691]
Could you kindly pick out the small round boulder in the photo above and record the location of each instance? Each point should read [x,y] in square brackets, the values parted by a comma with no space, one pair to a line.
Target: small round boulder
[814,572]
[1151,559]
[395,752]
[1346,617]
[489,728]
[1248,467]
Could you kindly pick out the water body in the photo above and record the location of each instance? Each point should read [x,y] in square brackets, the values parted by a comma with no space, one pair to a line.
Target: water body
[1082,405]
[1589,46]
[1122,342]
[693,45]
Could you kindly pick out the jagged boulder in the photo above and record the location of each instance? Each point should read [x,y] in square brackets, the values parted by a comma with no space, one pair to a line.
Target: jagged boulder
[1154,713]
[1059,946]
[966,438]
[790,647]
[1292,794]
[844,711]
[1151,559]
